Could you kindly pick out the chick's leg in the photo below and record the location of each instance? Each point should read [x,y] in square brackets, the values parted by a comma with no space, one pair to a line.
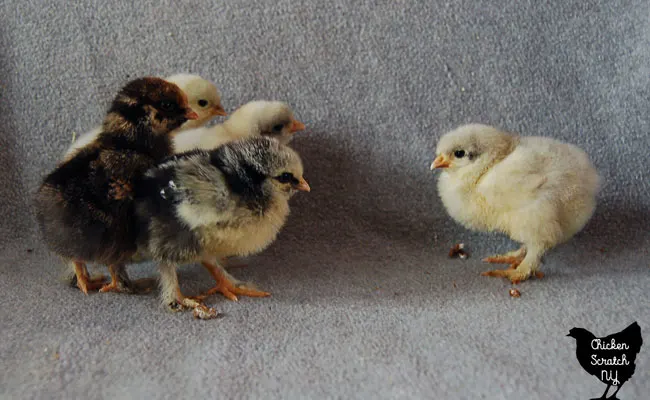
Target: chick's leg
[83,280]
[525,268]
[120,281]
[175,300]
[227,285]
[513,258]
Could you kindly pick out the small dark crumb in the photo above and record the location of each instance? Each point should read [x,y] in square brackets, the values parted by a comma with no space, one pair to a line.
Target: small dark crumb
[515,293]
[30,250]
[458,250]
[539,275]
[603,250]
[56,355]
[455,287]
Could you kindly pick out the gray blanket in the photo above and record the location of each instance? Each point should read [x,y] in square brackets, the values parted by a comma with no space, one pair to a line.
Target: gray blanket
[366,302]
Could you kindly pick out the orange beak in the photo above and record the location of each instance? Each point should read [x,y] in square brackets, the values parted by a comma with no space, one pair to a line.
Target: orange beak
[296,126]
[219,110]
[190,114]
[302,185]
[440,162]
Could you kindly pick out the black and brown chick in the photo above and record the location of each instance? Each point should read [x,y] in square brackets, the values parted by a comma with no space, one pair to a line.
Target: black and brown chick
[85,207]
[611,359]
[207,205]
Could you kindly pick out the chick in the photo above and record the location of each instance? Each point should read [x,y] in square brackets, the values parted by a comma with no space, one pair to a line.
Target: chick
[202,95]
[539,191]
[85,208]
[268,118]
[200,205]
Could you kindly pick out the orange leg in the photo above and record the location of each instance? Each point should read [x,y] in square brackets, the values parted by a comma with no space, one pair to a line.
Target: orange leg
[510,273]
[512,258]
[522,264]
[226,287]
[84,282]
[120,281]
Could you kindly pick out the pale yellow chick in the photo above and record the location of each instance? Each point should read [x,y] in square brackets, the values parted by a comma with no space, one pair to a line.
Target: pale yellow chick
[266,118]
[202,95]
[539,191]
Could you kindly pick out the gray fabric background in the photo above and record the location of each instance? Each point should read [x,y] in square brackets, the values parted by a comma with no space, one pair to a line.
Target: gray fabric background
[366,303]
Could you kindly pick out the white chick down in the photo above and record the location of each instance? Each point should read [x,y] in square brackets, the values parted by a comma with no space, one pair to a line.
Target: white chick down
[266,118]
[202,95]
[539,191]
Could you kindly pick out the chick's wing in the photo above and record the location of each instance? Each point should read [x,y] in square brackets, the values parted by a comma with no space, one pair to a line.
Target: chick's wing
[517,181]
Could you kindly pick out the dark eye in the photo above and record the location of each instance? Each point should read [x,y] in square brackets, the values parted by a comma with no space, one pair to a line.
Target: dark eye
[203,103]
[278,127]
[285,177]
[166,105]
[459,153]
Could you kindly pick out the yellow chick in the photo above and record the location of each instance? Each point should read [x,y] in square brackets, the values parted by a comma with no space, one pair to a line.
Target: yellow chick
[202,95]
[266,118]
[539,191]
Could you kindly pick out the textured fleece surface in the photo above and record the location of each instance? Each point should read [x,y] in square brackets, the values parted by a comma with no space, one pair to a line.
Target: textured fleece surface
[366,303]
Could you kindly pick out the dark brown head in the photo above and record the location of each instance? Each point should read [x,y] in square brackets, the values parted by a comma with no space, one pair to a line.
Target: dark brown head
[152,102]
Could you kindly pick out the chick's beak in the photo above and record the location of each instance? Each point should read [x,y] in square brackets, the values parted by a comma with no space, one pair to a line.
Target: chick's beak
[296,126]
[190,114]
[219,110]
[302,185]
[440,162]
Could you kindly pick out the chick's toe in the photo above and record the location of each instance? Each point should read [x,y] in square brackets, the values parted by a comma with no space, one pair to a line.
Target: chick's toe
[227,287]
[513,258]
[513,274]
[120,281]
[83,281]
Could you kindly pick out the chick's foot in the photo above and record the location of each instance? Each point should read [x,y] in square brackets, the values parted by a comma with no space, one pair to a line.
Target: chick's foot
[515,275]
[513,258]
[229,286]
[83,281]
[120,281]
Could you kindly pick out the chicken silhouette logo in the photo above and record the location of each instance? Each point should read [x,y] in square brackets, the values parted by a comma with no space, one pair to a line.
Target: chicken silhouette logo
[611,358]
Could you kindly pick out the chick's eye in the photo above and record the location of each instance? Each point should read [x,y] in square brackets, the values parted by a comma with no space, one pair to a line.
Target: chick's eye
[277,128]
[203,103]
[285,177]
[166,105]
[459,153]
